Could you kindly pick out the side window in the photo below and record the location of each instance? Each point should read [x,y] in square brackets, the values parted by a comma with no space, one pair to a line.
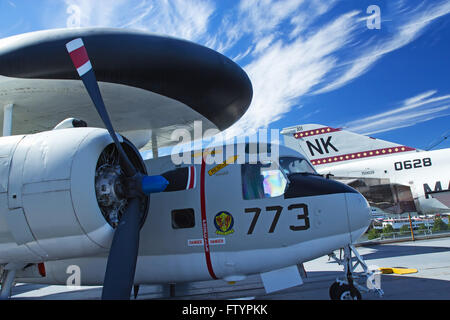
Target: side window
[183,219]
[261,181]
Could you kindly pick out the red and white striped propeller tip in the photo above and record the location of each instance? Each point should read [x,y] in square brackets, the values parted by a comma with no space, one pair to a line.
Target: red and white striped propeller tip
[79,56]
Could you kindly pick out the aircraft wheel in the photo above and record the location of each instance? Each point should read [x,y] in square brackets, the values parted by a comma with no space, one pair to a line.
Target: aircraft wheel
[344,292]
[333,291]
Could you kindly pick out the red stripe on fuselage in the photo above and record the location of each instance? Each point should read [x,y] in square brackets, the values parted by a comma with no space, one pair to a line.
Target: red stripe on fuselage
[79,57]
[204,221]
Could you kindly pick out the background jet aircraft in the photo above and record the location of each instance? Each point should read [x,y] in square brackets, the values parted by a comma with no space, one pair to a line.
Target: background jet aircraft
[394,177]
[83,195]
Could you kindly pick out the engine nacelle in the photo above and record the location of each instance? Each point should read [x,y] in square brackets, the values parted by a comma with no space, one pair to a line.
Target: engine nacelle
[49,206]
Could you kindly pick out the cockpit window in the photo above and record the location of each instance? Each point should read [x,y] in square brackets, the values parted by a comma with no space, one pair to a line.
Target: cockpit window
[261,181]
[292,165]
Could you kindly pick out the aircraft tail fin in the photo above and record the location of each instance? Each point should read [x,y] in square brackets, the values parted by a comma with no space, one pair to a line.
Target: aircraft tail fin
[326,146]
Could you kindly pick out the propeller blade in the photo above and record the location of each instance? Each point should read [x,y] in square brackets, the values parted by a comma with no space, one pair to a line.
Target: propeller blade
[120,270]
[80,59]
[121,265]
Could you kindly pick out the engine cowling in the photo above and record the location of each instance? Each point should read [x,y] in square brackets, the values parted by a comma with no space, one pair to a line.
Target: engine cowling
[55,203]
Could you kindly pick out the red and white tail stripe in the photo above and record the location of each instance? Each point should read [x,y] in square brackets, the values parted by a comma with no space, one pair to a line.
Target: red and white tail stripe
[79,56]
[327,146]
[191,178]
[314,132]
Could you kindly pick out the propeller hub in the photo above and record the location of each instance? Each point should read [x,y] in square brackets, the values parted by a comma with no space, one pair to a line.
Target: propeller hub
[113,188]
[108,186]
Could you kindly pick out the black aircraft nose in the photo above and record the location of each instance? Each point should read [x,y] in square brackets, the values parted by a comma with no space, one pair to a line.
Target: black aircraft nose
[307,185]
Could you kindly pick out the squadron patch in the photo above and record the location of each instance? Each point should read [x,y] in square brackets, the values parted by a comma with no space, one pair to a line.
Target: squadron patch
[224,222]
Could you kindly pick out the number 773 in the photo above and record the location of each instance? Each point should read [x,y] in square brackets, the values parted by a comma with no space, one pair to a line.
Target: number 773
[303,216]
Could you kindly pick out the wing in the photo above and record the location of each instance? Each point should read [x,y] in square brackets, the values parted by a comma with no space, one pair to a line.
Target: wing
[149,82]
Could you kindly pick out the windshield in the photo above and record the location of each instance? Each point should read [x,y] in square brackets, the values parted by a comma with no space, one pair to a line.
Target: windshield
[292,165]
[263,180]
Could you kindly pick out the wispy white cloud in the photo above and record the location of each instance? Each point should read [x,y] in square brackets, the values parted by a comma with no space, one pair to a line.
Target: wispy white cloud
[420,108]
[266,15]
[287,71]
[285,47]
[242,54]
[407,31]
[96,13]
[143,11]
[303,19]
[264,43]
[257,22]
[187,19]
[326,60]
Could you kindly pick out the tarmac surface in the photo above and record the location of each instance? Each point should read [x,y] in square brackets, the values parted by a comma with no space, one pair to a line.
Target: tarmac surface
[430,257]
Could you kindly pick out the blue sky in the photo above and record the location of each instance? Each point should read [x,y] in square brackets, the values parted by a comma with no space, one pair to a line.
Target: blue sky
[310,61]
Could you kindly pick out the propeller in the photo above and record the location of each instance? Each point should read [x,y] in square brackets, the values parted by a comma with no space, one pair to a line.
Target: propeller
[121,266]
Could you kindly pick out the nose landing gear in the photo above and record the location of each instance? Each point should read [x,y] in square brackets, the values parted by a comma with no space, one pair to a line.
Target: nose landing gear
[349,286]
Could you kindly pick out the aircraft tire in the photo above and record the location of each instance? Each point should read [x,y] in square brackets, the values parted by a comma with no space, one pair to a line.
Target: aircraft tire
[343,292]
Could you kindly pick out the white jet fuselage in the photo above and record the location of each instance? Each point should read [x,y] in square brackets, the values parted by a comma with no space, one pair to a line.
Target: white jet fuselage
[425,172]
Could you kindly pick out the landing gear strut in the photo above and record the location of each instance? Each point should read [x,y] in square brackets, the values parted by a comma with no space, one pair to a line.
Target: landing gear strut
[7,284]
[349,286]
